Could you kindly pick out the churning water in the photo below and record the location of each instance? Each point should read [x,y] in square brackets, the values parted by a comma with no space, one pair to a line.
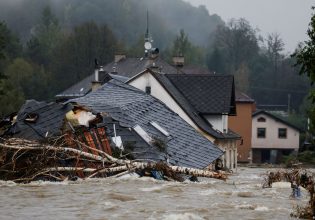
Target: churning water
[240,197]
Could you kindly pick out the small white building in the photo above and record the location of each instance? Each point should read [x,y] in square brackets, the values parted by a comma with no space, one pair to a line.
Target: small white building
[272,138]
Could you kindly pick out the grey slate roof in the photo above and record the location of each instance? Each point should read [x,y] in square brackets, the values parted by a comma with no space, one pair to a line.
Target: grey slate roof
[124,69]
[49,123]
[208,94]
[85,86]
[188,108]
[131,107]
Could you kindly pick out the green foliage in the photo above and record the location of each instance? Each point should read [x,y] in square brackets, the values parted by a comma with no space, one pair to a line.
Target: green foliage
[74,58]
[45,39]
[306,52]
[183,47]
[306,157]
[305,55]
[236,43]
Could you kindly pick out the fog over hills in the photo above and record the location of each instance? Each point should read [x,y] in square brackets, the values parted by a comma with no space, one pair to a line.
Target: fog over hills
[127,18]
[289,18]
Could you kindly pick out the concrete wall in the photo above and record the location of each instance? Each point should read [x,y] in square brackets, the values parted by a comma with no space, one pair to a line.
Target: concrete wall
[229,158]
[272,140]
[242,125]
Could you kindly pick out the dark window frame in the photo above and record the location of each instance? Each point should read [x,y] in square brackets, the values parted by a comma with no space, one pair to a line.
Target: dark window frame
[284,135]
[148,90]
[259,135]
[261,119]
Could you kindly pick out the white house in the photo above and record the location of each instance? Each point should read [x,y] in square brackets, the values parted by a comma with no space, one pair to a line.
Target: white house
[204,101]
[272,137]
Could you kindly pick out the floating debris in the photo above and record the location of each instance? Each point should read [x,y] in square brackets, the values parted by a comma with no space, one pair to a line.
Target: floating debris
[297,177]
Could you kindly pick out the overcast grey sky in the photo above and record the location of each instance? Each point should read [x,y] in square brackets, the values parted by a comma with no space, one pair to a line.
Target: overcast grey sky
[289,18]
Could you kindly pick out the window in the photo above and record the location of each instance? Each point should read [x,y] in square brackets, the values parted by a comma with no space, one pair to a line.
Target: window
[158,127]
[261,132]
[282,133]
[142,133]
[261,119]
[148,90]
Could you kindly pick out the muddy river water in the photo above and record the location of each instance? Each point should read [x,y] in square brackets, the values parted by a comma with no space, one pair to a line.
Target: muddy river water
[240,197]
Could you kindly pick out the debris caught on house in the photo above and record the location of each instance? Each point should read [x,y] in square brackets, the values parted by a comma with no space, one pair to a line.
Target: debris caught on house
[83,139]
[24,161]
[298,178]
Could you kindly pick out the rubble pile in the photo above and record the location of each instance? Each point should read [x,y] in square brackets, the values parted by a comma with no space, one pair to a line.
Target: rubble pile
[23,161]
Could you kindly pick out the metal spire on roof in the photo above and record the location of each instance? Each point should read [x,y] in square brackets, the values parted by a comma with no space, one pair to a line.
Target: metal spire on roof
[147,31]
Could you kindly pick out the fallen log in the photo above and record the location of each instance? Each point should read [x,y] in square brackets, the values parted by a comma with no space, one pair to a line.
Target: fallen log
[32,159]
[54,148]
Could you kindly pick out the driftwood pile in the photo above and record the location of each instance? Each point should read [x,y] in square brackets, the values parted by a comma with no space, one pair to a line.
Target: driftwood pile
[297,177]
[23,161]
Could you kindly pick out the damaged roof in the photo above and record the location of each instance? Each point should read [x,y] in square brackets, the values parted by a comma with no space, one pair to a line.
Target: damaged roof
[38,120]
[132,108]
[121,71]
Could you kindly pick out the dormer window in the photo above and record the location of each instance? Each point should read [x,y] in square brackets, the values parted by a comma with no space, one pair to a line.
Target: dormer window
[261,119]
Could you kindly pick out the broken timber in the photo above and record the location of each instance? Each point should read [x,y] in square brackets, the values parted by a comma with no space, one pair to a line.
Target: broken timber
[23,161]
[297,177]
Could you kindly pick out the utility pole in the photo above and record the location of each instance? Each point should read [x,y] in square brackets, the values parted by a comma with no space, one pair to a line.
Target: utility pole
[289,103]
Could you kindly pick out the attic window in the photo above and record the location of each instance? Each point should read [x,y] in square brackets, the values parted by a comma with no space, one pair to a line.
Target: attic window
[31,117]
[261,119]
[142,133]
[148,90]
[158,127]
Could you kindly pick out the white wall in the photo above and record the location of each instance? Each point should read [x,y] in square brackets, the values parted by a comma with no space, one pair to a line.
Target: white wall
[160,93]
[272,140]
[219,122]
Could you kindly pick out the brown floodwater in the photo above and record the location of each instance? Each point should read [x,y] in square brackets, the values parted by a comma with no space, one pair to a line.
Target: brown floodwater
[240,197]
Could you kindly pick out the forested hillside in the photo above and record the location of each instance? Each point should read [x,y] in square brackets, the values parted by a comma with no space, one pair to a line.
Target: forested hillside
[49,45]
[126,18]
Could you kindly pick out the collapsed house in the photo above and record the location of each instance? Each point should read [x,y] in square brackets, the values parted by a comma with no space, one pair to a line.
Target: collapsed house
[147,127]
[115,120]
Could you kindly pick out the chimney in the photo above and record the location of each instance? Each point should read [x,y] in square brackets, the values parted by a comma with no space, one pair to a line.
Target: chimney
[96,83]
[119,57]
[178,61]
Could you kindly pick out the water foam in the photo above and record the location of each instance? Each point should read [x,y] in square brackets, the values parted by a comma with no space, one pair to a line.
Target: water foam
[184,216]
[261,208]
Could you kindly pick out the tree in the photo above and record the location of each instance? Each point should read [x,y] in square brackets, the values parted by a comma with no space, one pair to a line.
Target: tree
[305,56]
[45,39]
[215,61]
[275,46]
[10,47]
[74,58]
[305,60]
[183,47]
[237,42]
